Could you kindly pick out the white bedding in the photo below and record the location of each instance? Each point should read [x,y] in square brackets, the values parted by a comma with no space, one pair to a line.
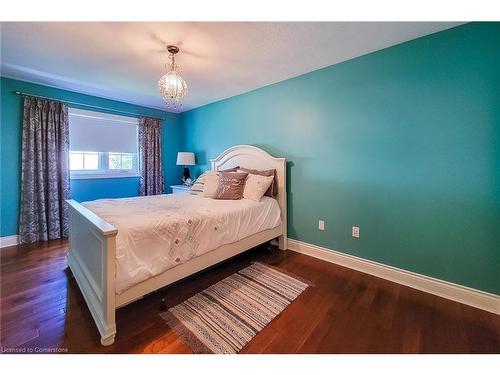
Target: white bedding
[159,232]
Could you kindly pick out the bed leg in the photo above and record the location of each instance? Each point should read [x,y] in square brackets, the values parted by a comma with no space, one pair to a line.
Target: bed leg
[163,306]
[282,243]
[108,339]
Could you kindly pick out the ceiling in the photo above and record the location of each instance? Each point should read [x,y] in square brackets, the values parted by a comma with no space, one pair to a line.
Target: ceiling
[124,60]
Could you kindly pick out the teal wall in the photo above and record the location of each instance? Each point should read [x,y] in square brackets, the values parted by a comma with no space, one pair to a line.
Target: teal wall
[404,142]
[81,190]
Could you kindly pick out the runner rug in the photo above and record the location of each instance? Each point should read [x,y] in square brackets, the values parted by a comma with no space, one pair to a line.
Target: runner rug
[224,317]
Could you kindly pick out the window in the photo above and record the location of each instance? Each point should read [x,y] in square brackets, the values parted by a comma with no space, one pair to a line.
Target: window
[121,161]
[102,145]
[83,161]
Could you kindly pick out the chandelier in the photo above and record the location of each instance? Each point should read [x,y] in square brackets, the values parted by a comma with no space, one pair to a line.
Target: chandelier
[172,86]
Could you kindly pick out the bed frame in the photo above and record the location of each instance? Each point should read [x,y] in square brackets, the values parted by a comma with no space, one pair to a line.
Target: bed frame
[92,251]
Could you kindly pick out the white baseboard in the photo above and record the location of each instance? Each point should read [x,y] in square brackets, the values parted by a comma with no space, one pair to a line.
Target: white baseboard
[9,241]
[468,296]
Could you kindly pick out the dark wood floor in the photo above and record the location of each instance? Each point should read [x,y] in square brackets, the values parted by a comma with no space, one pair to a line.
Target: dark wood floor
[345,312]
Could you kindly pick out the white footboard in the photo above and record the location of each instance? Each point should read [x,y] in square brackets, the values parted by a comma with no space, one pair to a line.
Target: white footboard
[92,260]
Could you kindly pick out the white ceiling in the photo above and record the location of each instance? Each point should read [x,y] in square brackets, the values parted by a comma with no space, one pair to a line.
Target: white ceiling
[123,61]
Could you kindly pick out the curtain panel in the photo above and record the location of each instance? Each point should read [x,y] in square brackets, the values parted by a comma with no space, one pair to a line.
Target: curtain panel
[151,181]
[44,171]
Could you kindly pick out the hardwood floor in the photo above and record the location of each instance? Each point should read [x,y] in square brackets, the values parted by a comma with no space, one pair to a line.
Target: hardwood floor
[345,312]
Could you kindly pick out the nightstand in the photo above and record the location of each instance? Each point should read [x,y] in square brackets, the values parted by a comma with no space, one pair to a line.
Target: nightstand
[180,188]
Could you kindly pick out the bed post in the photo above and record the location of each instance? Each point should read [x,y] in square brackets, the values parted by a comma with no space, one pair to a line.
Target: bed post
[282,199]
[109,297]
[283,243]
[283,239]
[92,258]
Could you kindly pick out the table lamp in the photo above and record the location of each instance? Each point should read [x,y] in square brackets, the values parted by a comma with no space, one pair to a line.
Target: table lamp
[185,159]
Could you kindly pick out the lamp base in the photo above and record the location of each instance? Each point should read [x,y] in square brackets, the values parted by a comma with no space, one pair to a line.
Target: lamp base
[186,174]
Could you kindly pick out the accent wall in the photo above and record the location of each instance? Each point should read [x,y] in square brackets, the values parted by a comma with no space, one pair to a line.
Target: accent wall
[403,142]
[80,190]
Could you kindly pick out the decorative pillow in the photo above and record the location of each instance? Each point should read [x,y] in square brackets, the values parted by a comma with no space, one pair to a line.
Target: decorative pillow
[235,169]
[231,185]
[256,185]
[211,184]
[272,191]
[200,181]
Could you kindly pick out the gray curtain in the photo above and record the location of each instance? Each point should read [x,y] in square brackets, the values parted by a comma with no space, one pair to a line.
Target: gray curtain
[150,156]
[44,171]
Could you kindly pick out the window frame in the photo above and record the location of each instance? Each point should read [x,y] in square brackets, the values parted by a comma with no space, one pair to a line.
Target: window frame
[104,171]
[103,157]
[83,154]
[135,162]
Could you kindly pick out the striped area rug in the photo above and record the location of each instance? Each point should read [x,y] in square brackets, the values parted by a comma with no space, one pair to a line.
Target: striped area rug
[226,316]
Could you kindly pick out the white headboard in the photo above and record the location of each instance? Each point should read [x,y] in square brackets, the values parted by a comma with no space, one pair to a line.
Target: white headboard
[255,158]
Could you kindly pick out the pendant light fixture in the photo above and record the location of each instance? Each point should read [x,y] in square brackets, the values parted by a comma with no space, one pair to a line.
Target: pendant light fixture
[172,86]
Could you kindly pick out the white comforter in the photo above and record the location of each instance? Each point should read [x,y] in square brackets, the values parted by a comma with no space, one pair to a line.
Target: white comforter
[158,232]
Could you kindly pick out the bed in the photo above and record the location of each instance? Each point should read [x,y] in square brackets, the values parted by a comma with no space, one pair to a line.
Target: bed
[111,273]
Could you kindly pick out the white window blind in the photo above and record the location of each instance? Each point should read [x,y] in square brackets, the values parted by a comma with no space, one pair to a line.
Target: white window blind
[102,145]
[102,132]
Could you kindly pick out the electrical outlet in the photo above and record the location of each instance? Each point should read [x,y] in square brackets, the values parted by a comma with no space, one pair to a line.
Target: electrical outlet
[355,232]
[321,225]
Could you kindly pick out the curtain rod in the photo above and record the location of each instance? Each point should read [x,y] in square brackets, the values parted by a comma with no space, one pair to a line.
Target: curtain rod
[82,104]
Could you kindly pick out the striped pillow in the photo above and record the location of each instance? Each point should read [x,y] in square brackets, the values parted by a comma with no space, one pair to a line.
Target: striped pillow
[199,184]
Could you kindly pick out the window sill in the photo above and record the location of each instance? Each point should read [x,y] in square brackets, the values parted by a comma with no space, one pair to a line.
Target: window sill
[93,176]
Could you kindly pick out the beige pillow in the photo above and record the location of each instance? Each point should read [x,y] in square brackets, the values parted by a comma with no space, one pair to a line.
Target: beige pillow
[256,186]
[231,185]
[211,184]
[200,181]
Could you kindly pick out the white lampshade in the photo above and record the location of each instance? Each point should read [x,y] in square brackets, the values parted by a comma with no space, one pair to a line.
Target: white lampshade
[185,158]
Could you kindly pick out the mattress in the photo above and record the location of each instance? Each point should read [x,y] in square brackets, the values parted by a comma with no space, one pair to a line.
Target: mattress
[159,232]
